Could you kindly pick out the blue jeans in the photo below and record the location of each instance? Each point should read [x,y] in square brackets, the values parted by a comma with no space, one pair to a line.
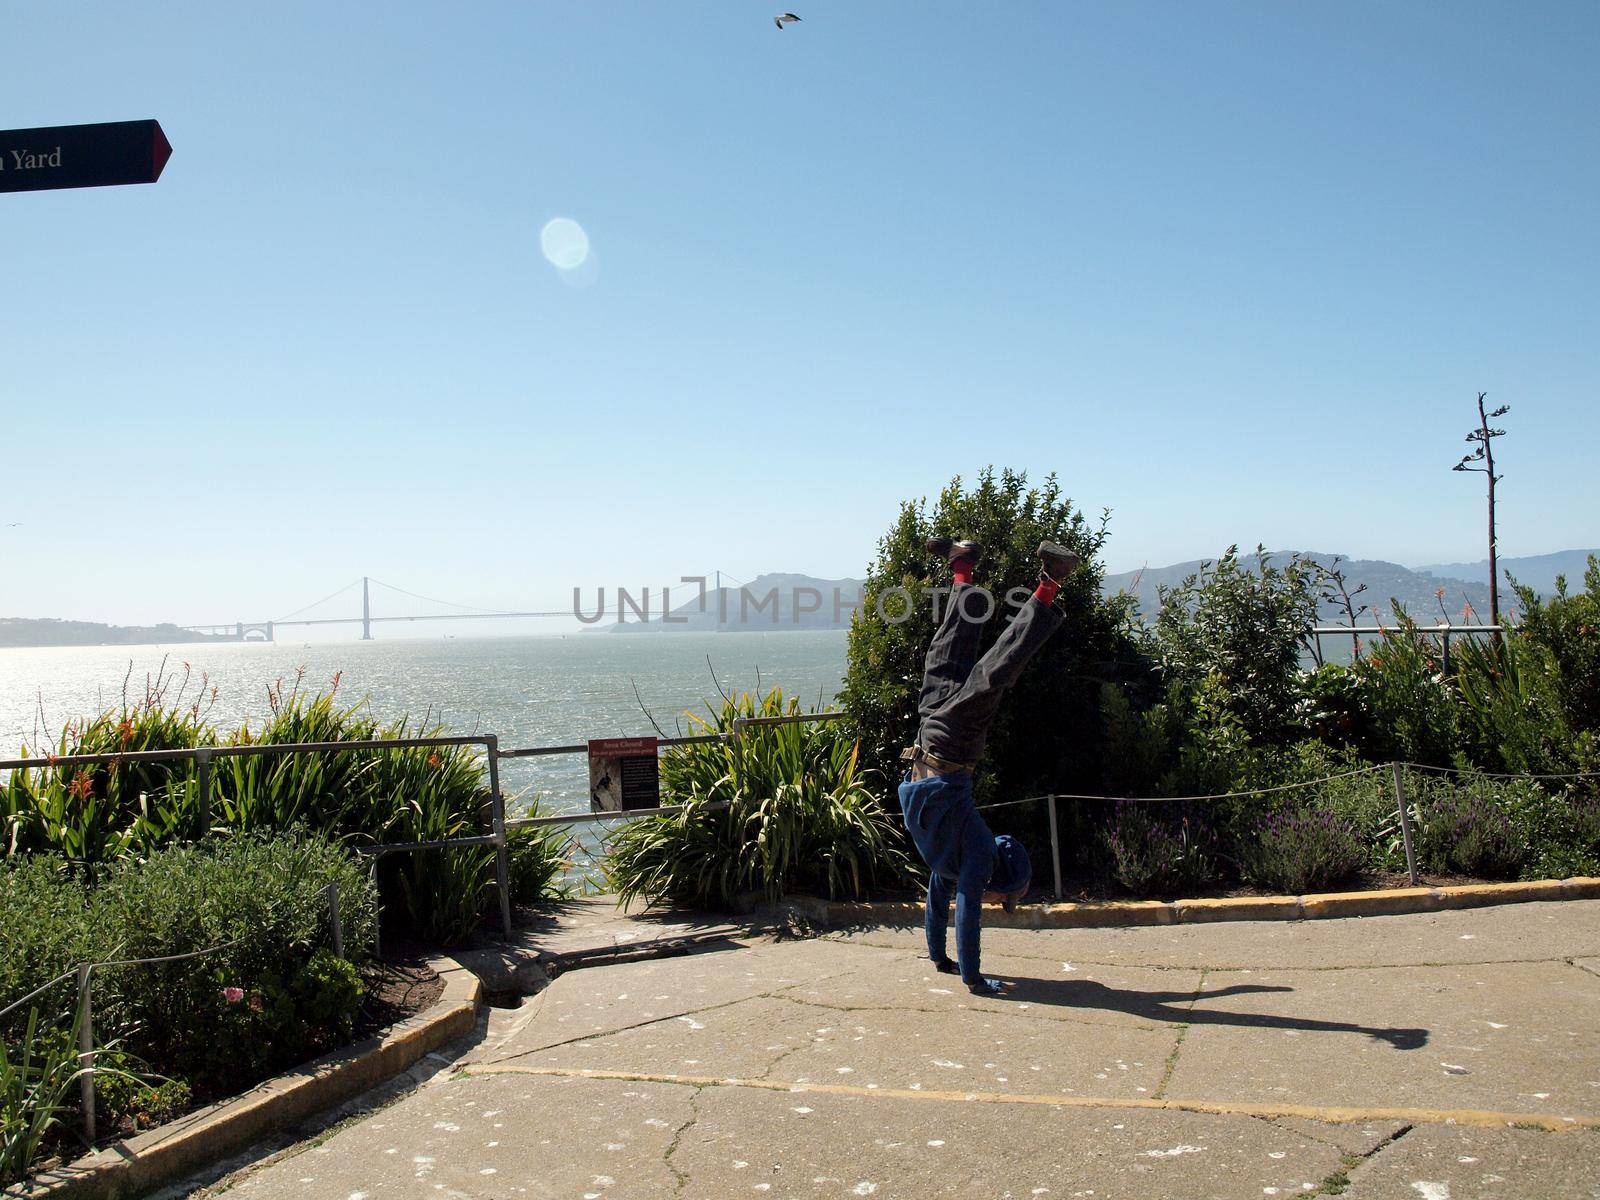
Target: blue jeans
[956,843]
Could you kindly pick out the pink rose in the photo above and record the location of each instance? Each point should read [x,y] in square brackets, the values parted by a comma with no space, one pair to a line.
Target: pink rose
[232,994]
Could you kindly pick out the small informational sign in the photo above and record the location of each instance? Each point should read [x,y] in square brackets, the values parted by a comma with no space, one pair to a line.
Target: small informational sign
[624,773]
[80,156]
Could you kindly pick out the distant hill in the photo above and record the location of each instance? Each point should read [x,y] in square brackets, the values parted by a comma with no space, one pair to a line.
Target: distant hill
[47,631]
[1538,571]
[769,603]
[1386,582]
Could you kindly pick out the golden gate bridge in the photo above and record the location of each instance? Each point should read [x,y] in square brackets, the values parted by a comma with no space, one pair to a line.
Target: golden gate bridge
[265,631]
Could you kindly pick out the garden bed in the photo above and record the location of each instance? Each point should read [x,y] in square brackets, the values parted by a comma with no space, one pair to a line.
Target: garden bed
[397,989]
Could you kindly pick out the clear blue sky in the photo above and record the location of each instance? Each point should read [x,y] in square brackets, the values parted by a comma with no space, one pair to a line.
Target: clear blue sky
[1235,271]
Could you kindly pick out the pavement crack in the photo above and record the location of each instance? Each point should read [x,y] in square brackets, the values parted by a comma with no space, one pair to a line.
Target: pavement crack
[1573,962]
[680,1179]
[773,1065]
[1183,1031]
[1335,1184]
[601,1034]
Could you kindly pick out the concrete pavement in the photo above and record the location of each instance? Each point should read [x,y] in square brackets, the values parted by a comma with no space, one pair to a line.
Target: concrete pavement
[1439,1056]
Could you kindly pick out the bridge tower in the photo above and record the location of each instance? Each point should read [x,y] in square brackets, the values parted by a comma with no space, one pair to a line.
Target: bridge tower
[366,610]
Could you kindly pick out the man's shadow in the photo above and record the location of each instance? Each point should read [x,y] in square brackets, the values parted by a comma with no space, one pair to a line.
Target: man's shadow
[1181,1008]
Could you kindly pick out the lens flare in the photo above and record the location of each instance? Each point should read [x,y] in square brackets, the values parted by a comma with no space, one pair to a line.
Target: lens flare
[564,243]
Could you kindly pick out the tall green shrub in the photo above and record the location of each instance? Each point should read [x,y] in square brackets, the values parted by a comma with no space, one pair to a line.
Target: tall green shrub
[1567,626]
[1243,626]
[1047,735]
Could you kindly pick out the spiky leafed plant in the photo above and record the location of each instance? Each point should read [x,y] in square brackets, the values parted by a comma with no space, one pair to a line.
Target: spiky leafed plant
[799,816]
[37,1075]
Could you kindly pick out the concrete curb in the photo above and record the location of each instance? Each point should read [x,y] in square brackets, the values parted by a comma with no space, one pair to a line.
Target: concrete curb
[1124,913]
[147,1161]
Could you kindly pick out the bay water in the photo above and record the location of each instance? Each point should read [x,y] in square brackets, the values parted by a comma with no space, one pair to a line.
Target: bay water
[530,691]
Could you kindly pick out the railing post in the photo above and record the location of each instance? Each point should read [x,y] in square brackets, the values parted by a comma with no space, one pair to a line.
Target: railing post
[86,1049]
[202,760]
[335,920]
[502,866]
[1405,823]
[1055,844]
[377,911]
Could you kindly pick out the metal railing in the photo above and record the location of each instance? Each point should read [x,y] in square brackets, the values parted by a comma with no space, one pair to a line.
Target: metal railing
[84,973]
[1442,630]
[204,756]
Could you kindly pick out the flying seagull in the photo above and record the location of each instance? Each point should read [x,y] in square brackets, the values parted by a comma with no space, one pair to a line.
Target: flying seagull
[783,19]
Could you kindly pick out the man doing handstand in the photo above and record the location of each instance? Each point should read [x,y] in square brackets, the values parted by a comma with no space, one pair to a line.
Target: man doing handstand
[960,695]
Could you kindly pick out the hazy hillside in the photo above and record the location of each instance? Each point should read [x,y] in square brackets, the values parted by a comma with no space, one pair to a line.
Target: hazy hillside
[1538,571]
[46,631]
[768,603]
[1386,582]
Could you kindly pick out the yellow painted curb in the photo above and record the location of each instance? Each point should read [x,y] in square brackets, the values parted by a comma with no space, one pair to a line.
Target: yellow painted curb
[1476,895]
[159,1156]
[1123,913]
[1332,1114]
[1239,908]
[1392,902]
[1110,913]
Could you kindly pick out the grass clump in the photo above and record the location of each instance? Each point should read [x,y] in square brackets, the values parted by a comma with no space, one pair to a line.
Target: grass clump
[799,816]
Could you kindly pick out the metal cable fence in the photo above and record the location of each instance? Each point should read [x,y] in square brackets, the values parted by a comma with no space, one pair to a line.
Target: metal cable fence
[1403,806]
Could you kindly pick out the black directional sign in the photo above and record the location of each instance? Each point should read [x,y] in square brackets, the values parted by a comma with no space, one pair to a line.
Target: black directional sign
[78,156]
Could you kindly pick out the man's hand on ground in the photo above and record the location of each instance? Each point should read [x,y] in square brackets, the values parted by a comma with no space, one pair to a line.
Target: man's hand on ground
[989,987]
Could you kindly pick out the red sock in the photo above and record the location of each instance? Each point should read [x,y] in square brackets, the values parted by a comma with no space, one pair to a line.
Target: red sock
[1046,591]
[961,570]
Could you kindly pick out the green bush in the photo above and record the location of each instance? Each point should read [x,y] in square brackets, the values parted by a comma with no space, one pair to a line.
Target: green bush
[1510,712]
[1563,837]
[266,901]
[1464,830]
[1300,849]
[1414,709]
[1047,735]
[1567,626]
[272,996]
[1162,849]
[43,912]
[799,817]
[1244,629]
